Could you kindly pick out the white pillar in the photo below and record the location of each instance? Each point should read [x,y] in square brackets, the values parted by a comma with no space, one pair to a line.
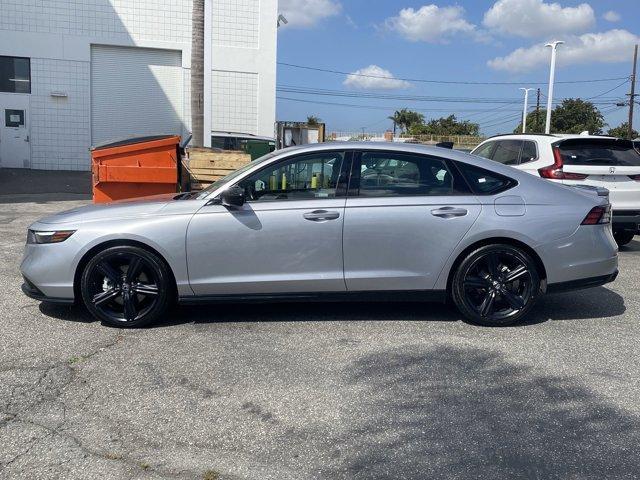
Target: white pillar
[208,63]
[552,75]
[526,107]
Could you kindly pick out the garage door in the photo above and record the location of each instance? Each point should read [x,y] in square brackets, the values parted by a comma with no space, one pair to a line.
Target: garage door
[135,91]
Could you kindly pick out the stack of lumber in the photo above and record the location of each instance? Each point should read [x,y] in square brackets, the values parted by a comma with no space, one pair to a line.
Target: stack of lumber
[206,166]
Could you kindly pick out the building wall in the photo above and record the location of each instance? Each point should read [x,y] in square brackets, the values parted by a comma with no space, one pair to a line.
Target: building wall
[243,63]
[57,35]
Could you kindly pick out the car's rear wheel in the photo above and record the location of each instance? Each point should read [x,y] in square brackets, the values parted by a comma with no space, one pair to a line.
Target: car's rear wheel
[623,237]
[126,286]
[496,285]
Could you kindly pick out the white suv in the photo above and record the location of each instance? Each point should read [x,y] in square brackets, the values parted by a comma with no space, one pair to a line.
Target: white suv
[607,162]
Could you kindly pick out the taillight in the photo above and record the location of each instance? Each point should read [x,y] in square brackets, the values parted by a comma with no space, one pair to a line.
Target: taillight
[635,177]
[555,172]
[598,215]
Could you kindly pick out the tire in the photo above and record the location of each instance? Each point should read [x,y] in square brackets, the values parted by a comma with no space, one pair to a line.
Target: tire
[496,285]
[126,286]
[623,237]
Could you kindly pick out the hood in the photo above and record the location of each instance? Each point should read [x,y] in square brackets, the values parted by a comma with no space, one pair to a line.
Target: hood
[119,209]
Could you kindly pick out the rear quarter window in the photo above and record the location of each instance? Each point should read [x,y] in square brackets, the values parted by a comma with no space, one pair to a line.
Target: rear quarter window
[619,153]
[485,182]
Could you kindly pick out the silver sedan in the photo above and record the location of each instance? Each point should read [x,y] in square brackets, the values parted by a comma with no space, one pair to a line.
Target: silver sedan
[336,221]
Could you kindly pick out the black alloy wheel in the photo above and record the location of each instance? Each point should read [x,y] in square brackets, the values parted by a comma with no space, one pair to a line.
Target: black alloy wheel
[623,237]
[496,285]
[126,286]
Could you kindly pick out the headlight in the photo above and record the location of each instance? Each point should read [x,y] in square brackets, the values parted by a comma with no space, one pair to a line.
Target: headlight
[49,237]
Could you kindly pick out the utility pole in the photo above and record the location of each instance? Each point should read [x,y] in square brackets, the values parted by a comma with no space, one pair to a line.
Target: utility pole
[538,110]
[633,95]
[552,76]
[526,107]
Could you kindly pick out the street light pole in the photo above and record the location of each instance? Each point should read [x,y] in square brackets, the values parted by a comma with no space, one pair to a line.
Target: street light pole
[526,107]
[552,75]
[632,95]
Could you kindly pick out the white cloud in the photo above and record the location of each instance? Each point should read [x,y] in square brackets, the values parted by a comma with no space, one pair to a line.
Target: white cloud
[377,78]
[306,13]
[607,47]
[536,19]
[612,16]
[430,23]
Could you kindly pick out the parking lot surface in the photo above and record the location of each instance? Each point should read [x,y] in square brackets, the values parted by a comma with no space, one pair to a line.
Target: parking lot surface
[397,390]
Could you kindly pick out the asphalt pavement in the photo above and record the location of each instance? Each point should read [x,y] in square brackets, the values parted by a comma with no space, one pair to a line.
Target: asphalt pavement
[326,391]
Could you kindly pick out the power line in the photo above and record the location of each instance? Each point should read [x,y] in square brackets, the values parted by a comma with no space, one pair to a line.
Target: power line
[444,82]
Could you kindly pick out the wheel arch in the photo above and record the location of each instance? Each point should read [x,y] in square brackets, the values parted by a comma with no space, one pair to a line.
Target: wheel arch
[542,271]
[117,243]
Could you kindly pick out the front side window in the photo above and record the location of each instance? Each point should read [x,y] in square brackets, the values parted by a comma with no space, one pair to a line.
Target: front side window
[485,150]
[15,75]
[388,174]
[303,177]
[507,152]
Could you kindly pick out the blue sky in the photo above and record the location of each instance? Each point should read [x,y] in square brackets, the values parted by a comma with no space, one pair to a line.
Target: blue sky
[476,41]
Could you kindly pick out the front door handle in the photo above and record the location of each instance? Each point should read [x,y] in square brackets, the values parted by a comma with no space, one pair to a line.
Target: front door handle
[449,212]
[321,215]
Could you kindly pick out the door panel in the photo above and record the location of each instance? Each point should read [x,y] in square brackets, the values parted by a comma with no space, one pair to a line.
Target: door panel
[267,247]
[15,146]
[402,243]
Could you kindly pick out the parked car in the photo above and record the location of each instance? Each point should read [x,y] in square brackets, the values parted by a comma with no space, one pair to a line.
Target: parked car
[607,162]
[370,221]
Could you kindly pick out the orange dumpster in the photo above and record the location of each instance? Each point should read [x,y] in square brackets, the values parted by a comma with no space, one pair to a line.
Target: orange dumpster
[135,167]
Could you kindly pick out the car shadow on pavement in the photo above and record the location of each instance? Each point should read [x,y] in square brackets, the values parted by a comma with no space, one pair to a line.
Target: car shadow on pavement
[597,302]
[462,412]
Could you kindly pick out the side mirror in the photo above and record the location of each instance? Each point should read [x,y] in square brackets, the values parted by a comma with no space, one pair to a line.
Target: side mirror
[233,196]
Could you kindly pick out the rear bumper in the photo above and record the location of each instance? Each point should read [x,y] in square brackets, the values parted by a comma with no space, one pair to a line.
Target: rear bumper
[581,283]
[628,220]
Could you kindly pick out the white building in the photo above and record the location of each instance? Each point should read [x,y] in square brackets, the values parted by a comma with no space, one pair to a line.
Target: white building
[75,73]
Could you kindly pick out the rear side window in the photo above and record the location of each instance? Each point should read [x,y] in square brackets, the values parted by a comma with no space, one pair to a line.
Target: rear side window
[596,151]
[529,152]
[507,152]
[391,174]
[485,182]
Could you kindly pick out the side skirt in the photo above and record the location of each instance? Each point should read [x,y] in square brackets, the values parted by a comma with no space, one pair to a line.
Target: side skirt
[374,296]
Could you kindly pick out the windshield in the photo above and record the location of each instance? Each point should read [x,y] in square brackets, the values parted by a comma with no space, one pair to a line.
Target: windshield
[221,181]
[597,151]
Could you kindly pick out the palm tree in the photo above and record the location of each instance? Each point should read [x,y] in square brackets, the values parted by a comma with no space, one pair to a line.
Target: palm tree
[197,73]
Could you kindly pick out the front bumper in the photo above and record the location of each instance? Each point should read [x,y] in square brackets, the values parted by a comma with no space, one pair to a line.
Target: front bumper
[627,220]
[31,291]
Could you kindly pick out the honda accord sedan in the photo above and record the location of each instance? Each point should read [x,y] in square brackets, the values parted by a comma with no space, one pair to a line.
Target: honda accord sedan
[335,221]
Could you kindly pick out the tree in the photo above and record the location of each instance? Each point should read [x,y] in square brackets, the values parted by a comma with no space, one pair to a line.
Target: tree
[535,122]
[446,126]
[575,115]
[622,131]
[313,120]
[197,73]
[405,118]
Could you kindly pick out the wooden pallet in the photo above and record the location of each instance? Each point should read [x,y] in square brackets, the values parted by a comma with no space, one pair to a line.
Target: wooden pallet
[206,166]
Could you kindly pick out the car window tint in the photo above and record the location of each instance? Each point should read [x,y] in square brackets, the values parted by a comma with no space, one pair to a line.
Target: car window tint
[302,177]
[485,150]
[507,152]
[388,174]
[596,151]
[485,182]
[529,152]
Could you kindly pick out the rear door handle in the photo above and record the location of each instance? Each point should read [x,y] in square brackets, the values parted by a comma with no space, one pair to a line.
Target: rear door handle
[321,215]
[449,212]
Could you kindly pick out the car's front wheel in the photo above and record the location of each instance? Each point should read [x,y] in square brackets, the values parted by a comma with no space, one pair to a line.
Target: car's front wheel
[126,286]
[496,285]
